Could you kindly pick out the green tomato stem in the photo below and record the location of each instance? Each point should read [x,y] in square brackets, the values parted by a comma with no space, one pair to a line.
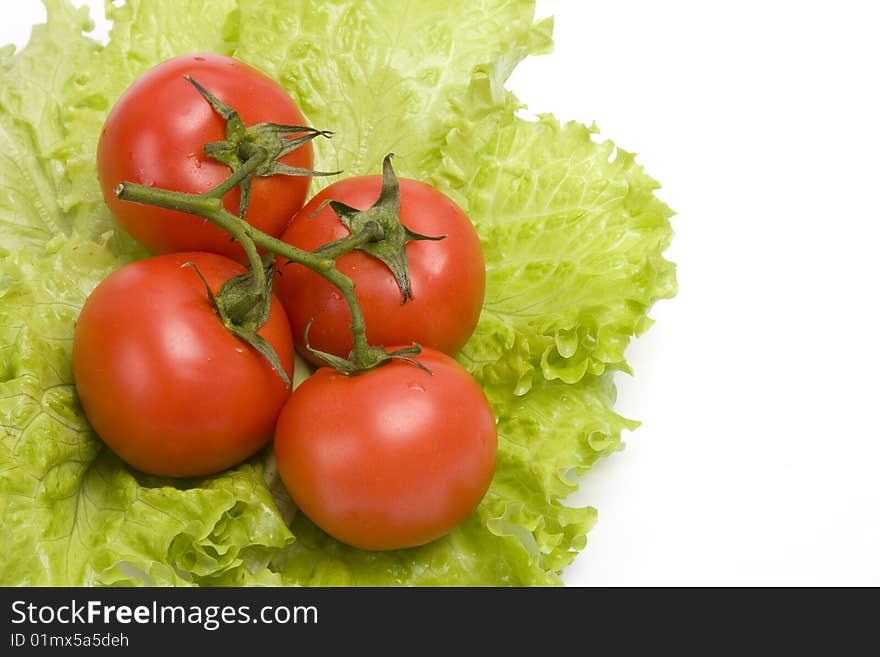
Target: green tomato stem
[256,159]
[210,207]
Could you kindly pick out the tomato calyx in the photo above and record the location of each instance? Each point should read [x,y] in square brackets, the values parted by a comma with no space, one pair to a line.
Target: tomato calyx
[375,356]
[391,249]
[243,312]
[274,140]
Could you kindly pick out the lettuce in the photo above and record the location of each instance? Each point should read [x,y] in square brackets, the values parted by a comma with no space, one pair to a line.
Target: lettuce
[380,77]
[561,216]
[571,229]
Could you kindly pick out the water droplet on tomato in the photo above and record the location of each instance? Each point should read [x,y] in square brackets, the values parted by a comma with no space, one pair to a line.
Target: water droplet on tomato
[417,387]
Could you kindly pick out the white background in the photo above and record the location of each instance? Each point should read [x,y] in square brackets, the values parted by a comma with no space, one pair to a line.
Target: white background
[758,459]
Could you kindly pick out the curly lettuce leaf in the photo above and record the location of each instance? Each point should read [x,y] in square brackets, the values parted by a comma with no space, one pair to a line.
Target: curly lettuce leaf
[573,237]
[33,86]
[382,74]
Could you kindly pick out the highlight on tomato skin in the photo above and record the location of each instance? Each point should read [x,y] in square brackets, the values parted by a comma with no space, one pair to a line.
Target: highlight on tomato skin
[392,458]
[156,133]
[448,276]
[163,382]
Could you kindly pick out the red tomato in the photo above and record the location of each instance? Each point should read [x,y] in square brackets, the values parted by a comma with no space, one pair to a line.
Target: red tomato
[155,134]
[163,382]
[448,276]
[391,458]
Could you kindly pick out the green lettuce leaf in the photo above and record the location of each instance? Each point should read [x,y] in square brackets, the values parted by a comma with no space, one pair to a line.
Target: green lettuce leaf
[381,74]
[34,82]
[562,216]
[573,237]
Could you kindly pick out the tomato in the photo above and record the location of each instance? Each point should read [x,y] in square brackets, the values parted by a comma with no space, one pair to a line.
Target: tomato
[448,276]
[155,135]
[391,458]
[160,378]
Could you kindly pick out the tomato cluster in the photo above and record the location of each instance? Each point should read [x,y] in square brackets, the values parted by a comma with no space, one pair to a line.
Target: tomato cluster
[182,361]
